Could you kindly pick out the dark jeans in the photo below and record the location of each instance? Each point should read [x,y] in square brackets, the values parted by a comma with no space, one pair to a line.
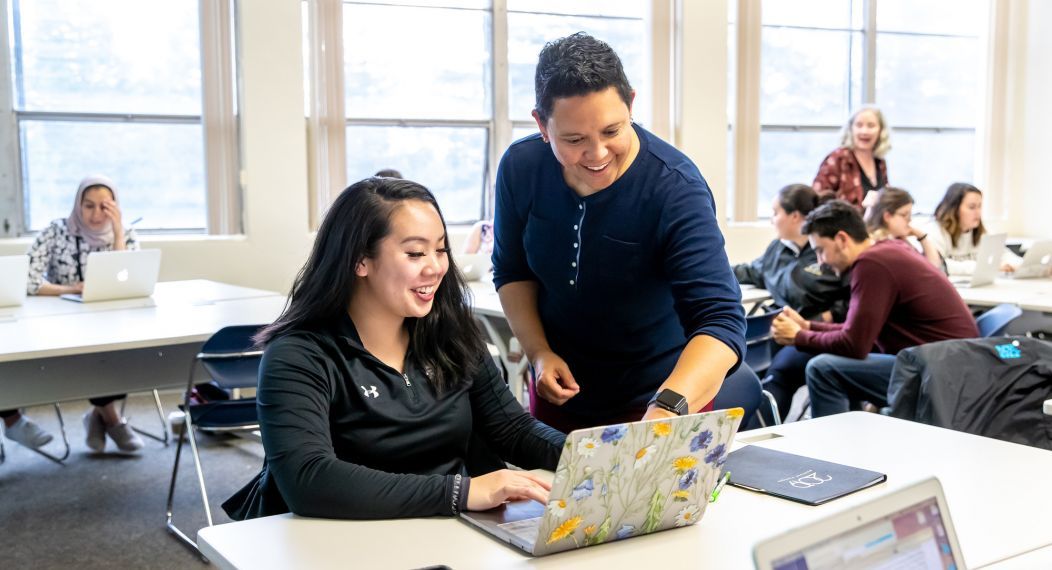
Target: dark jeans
[94,401]
[835,381]
[786,375]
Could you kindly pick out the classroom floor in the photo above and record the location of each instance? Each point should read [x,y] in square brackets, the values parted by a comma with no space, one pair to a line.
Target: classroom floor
[107,511]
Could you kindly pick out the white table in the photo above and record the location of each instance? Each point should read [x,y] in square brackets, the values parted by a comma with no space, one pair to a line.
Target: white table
[485,303]
[57,350]
[998,494]
[1029,294]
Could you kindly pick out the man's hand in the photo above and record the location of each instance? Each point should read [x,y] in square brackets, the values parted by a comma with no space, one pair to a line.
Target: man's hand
[554,383]
[785,327]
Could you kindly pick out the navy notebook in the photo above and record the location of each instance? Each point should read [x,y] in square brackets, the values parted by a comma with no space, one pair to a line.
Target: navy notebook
[795,477]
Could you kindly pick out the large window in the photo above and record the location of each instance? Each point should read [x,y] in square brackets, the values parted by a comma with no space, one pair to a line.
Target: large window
[438,89]
[110,87]
[920,62]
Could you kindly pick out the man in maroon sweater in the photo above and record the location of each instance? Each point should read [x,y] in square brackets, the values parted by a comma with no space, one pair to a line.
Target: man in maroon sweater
[898,300]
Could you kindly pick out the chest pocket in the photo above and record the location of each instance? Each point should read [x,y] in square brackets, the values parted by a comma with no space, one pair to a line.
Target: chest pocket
[621,263]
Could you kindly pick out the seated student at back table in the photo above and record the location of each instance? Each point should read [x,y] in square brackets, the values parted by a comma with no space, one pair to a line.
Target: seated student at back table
[898,300]
[958,228]
[889,218]
[789,269]
[608,257]
[56,266]
[377,397]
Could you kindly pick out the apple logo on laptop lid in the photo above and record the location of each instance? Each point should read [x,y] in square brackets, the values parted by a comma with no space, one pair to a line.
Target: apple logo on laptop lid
[122,275]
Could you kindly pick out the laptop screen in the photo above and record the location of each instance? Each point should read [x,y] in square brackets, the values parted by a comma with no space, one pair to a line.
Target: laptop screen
[911,539]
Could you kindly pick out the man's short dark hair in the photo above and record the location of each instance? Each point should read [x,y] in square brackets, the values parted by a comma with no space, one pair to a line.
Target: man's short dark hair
[833,217]
[577,65]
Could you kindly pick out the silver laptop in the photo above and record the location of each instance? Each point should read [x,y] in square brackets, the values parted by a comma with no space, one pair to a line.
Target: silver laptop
[1037,262]
[111,275]
[987,262]
[621,481]
[14,276]
[909,529]
[474,266]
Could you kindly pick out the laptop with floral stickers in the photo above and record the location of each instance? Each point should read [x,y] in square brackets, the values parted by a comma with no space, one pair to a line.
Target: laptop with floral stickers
[621,481]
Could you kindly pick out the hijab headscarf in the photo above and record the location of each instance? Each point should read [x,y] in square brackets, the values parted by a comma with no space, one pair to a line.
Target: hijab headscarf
[78,227]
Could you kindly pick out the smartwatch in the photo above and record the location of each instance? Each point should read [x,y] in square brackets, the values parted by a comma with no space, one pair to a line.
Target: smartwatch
[671,401]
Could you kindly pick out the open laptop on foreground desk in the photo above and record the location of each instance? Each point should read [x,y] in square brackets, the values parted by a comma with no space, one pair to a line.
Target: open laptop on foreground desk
[119,275]
[621,481]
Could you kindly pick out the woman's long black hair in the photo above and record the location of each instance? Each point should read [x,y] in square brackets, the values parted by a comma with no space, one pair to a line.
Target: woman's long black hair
[446,342]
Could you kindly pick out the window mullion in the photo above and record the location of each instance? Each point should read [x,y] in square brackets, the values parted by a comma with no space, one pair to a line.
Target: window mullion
[11,221]
[327,123]
[500,134]
[219,117]
[869,52]
[747,119]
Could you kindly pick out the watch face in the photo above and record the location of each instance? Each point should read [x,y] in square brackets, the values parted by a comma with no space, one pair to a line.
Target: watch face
[672,402]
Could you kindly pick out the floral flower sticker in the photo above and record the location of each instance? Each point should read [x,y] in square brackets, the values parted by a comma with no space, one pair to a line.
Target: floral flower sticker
[701,441]
[644,454]
[684,464]
[625,531]
[681,495]
[688,479]
[564,530]
[715,457]
[583,491]
[662,429]
[613,434]
[557,507]
[587,446]
[688,516]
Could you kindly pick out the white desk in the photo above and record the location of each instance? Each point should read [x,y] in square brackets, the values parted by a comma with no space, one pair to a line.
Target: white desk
[998,494]
[58,350]
[1029,294]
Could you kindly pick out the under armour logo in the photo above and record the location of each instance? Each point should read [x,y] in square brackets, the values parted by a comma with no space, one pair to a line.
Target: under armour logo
[1006,351]
[370,392]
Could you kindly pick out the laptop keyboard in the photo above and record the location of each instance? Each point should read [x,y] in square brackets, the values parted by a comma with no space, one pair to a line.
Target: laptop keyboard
[525,529]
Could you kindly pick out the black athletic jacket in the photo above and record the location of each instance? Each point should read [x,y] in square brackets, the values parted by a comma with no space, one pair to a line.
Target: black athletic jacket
[347,436]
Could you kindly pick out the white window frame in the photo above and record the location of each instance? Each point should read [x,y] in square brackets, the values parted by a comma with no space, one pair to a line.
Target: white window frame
[745,119]
[219,122]
[327,121]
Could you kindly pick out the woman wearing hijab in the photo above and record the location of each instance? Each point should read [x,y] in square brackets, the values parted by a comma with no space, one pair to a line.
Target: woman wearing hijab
[56,266]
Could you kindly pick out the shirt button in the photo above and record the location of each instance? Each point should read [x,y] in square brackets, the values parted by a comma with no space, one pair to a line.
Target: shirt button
[575,226]
[573,264]
[571,282]
[575,245]
[580,206]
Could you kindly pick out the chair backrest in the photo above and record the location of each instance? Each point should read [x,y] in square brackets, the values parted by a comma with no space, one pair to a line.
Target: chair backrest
[758,327]
[758,341]
[996,320]
[740,389]
[231,357]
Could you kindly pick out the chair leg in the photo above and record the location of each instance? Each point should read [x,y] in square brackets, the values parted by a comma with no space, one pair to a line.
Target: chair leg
[172,528]
[165,436]
[65,440]
[774,407]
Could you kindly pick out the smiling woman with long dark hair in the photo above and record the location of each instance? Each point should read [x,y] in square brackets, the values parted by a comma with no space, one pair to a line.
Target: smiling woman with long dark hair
[377,397]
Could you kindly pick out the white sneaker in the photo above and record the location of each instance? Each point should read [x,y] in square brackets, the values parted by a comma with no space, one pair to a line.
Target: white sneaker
[125,438]
[95,431]
[28,433]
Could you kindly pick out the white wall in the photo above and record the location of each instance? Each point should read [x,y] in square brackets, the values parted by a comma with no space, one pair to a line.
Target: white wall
[277,237]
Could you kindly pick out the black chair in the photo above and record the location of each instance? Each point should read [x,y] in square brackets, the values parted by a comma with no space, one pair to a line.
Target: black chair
[996,320]
[758,355]
[232,361]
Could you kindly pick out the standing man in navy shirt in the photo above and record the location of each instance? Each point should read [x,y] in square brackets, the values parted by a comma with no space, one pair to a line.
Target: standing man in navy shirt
[608,259]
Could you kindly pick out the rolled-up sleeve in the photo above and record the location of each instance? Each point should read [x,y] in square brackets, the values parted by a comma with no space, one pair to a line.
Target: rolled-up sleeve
[706,294]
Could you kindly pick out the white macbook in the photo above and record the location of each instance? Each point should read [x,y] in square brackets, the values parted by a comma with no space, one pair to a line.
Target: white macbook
[1037,262]
[114,275]
[987,262]
[14,275]
[909,529]
[621,481]
[474,266]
